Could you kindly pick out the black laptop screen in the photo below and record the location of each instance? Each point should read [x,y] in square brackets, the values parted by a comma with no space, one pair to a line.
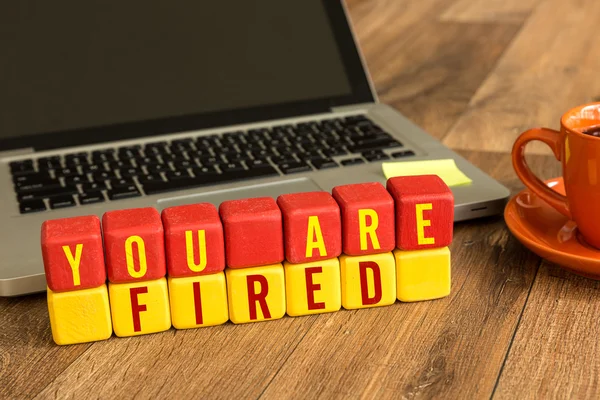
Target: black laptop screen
[73,65]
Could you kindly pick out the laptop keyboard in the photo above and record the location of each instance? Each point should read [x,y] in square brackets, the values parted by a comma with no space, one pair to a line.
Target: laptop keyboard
[111,174]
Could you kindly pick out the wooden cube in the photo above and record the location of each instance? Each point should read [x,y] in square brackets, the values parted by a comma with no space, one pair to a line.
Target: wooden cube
[198,300]
[312,288]
[368,281]
[367,218]
[138,308]
[312,226]
[422,274]
[134,245]
[193,240]
[256,294]
[253,232]
[424,211]
[73,254]
[79,316]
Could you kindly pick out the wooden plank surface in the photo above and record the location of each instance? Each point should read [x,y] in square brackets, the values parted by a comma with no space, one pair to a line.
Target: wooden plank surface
[549,68]
[471,72]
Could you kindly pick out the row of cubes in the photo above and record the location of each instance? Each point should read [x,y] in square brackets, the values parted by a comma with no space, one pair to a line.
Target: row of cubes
[248,294]
[414,213]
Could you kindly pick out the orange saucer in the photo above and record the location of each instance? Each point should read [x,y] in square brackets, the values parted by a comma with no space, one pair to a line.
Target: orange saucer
[549,234]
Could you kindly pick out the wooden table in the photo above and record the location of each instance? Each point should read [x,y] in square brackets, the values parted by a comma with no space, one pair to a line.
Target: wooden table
[474,73]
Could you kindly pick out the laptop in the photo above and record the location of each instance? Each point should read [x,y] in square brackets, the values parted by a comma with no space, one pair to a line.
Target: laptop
[135,104]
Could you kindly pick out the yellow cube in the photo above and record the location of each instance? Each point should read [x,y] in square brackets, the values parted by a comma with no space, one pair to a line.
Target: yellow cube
[368,281]
[198,301]
[422,274]
[255,294]
[313,288]
[79,316]
[139,308]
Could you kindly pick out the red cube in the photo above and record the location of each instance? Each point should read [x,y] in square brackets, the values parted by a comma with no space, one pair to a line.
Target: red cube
[73,254]
[193,240]
[367,218]
[253,232]
[134,244]
[424,211]
[312,226]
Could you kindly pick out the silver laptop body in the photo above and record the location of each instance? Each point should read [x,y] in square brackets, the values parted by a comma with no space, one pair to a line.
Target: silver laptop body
[21,268]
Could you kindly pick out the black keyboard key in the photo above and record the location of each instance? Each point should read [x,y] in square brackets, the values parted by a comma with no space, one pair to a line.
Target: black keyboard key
[324,163]
[33,177]
[21,167]
[209,179]
[352,161]
[47,193]
[237,157]
[332,152]
[208,161]
[91,168]
[26,187]
[66,172]
[120,182]
[91,197]
[294,167]
[31,206]
[130,172]
[310,155]
[177,175]
[257,163]
[183,164]
[93,186]
[157,168]
[404,153]
[231,167]
[102,176]
[377,155]
[113,165]
[75,179]
[62,201]
[284,159]
[123,192]
[46,163]
[100,156]
[366,145]
[150,178]
[204,171]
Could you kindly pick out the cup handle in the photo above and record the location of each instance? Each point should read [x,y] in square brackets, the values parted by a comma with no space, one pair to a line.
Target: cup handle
[553,139]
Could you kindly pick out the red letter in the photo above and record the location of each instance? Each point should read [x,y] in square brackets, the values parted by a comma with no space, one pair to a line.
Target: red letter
[364,286]
[137,308]
[197,303]
[259,297]
[311,287]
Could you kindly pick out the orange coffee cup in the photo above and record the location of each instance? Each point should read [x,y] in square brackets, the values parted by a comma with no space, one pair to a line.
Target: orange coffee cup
[579,154]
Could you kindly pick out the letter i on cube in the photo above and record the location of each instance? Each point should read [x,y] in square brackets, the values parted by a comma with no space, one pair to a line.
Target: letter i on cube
[424,222]
[135,258]
[195,261]
[76,275]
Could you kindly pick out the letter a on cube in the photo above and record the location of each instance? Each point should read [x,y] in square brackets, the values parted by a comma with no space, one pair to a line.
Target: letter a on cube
[424,211]
[79,316]
[256,294]
[253,232]
[368,281]
[73,254]
[422,274]
[312,226]
[193,240]
[134,243]
[367,218]
[312,288]
[138,308]
[198,300]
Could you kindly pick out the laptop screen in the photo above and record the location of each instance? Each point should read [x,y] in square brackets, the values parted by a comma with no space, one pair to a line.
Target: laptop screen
[69,65]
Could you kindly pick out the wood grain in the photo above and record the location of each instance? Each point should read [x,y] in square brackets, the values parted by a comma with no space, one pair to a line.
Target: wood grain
[555,351]
[425,68]
[29,359]
[549,68]
[489,10]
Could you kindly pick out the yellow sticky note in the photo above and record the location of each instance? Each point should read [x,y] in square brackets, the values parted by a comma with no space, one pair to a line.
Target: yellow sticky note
[445,169]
